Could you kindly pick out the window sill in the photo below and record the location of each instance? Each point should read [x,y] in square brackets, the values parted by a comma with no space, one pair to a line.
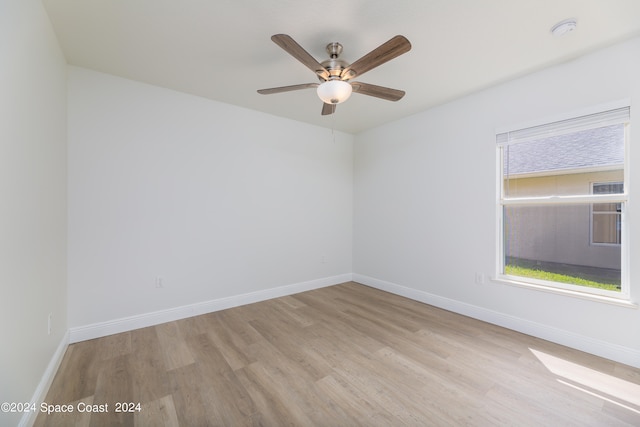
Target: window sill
[566,292]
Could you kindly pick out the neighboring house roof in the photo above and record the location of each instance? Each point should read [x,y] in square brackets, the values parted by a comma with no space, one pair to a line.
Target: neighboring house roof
[594,148]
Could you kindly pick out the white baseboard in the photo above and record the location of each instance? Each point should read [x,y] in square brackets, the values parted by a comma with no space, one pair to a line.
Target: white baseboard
[28,418]
[97,330]
[618,353]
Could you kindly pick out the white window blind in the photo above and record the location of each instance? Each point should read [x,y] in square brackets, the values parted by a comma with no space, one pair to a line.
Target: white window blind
[590,121]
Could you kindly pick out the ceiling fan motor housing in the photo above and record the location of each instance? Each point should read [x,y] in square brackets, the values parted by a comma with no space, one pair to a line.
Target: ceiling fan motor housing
[334,65]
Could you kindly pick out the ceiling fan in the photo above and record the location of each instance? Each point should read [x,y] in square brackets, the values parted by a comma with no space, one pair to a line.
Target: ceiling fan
[335,74]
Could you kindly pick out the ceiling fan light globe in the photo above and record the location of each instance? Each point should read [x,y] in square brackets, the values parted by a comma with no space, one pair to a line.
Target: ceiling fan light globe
[334,91]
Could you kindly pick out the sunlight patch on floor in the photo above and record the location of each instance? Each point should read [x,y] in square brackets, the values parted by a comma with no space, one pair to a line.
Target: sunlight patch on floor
[595,381]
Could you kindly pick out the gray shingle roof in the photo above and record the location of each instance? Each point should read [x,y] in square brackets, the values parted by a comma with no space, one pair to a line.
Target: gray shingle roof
[593,148]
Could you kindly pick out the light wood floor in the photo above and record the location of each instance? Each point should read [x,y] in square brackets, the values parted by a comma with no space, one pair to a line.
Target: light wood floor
[345,355]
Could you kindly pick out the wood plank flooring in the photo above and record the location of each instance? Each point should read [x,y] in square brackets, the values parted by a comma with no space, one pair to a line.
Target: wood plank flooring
[346,355]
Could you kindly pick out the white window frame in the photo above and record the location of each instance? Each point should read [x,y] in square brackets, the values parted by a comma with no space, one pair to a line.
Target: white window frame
[615,113]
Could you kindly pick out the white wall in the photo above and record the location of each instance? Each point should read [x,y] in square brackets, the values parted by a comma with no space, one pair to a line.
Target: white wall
[32,199]
[425,192]
[217,200]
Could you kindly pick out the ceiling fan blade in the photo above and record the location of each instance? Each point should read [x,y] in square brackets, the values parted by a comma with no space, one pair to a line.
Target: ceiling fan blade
[378,56]
[286,88]
[377,91]
[328,109]
[295,50]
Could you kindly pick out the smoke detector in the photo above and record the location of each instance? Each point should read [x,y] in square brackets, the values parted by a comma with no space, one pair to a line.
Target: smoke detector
[564,27]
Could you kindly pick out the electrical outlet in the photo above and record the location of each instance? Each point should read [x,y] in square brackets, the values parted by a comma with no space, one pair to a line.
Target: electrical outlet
[159,282]
[49,323]
[323,259]
[479,279]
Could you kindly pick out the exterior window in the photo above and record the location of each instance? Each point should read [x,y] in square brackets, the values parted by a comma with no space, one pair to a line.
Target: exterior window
[562,197]
[606,218]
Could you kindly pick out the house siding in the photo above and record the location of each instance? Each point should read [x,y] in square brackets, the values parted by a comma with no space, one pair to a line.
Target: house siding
[560,234]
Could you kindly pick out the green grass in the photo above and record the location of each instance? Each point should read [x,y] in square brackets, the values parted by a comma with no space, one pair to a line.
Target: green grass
[533,273]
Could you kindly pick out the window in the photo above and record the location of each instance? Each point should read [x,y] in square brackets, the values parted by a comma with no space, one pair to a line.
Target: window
[562,197]
[606,218]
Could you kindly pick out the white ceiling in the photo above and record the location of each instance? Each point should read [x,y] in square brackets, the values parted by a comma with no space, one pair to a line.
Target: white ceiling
[221,49]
